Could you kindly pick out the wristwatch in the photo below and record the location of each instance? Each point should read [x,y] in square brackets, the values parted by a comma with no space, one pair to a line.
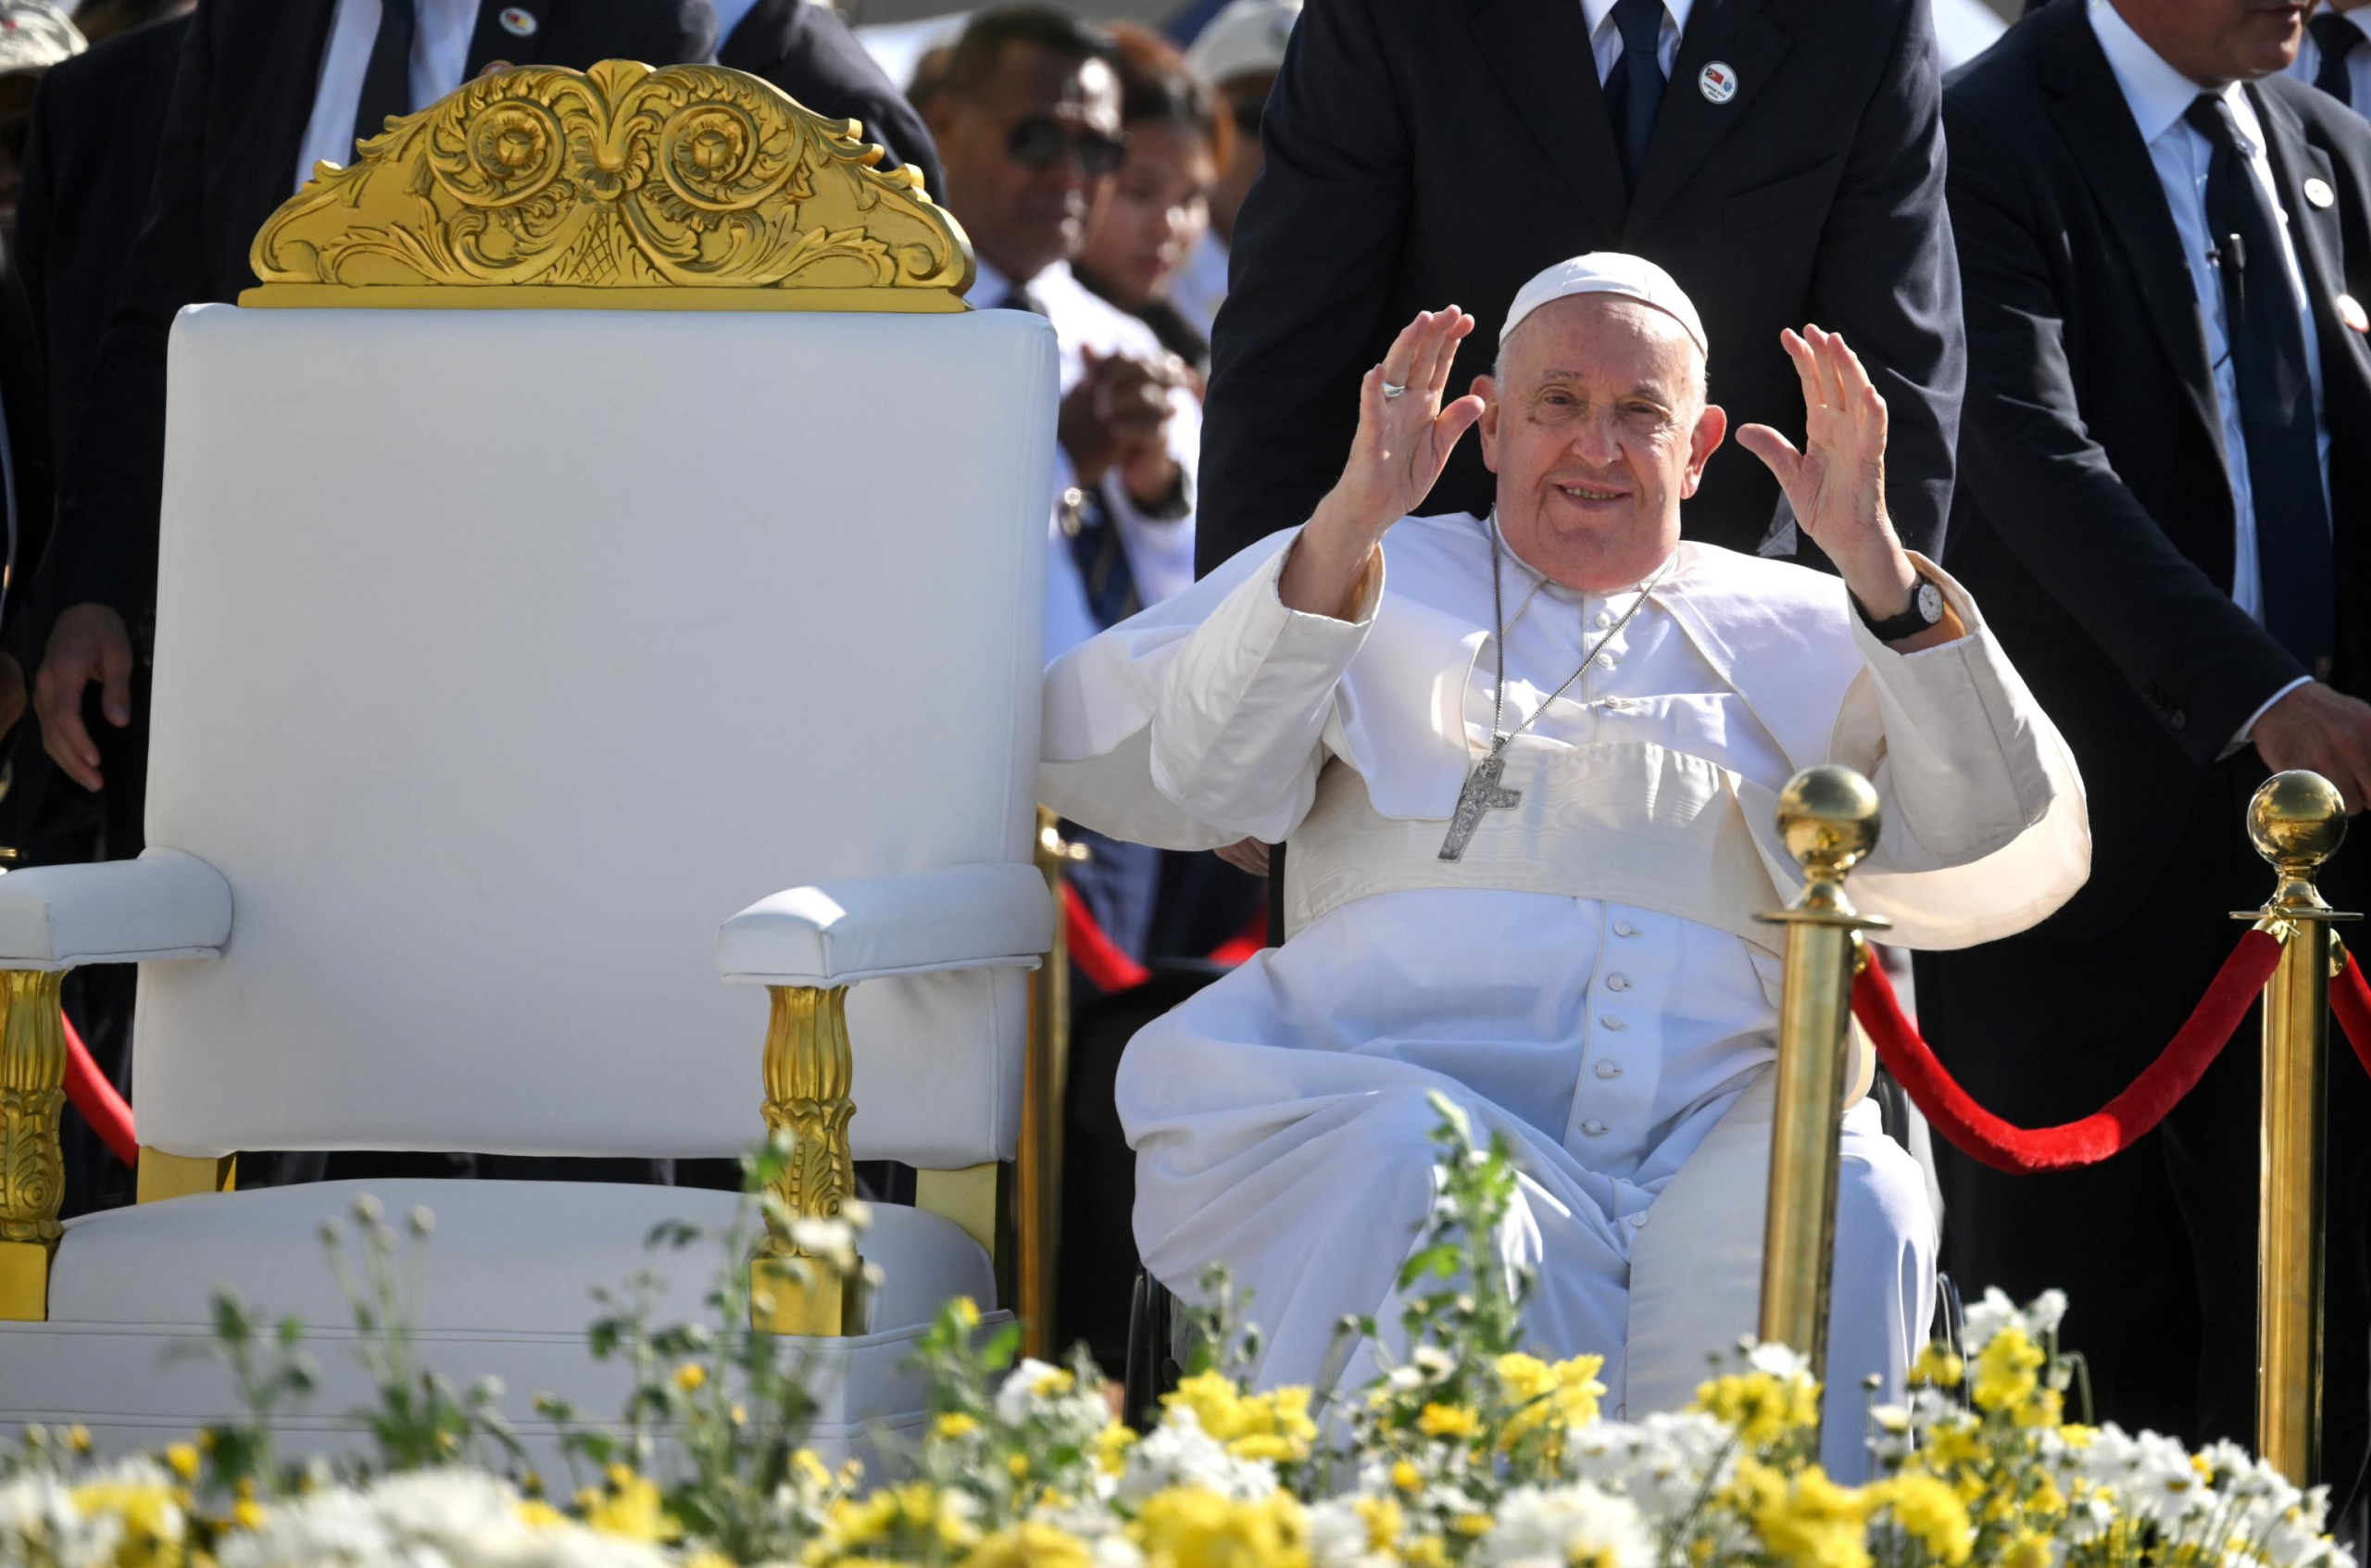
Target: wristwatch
[1926,609]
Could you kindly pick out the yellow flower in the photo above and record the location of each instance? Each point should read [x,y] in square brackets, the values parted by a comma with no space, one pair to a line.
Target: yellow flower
[691,1377]
[2026,1550]
[1937,1367]
[1191,1527]
[1031,1545]
[1425,1552]
[78,1437]
[1383,1519]
[1053,1382]
[633,1512]
[2045,1409]
[1274,1425]
[954,1424]
[182,1459]
[1931,1512]
[2007,1369]
[1472,1524]
[1404,1476]
[967,1312]
[2046,1499]
[1112,1446]
[1762,1405]
[1559,1397]
[152,1521]
[811,1469]
[1809,1522]
[246,1513]
[1448,1421]
[1018,1464]
[542,1515]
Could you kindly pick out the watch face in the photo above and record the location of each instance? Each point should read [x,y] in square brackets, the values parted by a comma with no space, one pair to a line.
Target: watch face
[1930,602]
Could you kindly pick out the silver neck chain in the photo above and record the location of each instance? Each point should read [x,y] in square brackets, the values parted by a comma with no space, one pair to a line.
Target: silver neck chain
[1498,737]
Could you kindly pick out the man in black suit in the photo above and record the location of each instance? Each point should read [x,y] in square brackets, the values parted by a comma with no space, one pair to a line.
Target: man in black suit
[1782,159]
[2167,463]
[807,50]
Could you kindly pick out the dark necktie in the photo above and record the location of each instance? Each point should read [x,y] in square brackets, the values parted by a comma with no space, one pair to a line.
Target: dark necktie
[2336,38]
[386,81]
[2262,325]
[1096,546]
[1635,90]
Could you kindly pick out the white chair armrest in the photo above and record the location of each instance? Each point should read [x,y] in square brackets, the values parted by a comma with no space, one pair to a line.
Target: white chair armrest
[904,922]
[168,904]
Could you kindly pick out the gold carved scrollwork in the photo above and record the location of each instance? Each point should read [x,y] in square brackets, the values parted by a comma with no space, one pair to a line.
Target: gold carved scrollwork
[33,1171]
[692,187]
[808,1073]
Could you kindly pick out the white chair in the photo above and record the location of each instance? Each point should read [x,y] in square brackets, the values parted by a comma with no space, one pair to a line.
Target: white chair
[501,656]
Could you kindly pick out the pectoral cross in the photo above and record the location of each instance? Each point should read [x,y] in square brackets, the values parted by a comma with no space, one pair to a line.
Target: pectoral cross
[1482,793]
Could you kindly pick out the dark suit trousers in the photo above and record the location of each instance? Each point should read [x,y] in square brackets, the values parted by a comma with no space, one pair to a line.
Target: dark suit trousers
[2156,1247]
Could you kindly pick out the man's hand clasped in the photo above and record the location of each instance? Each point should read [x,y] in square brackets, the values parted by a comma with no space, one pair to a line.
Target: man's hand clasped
[1117,418]
[89,647]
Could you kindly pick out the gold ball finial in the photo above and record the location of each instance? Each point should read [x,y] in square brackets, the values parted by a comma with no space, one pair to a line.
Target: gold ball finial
[1829,817]
[2296,821]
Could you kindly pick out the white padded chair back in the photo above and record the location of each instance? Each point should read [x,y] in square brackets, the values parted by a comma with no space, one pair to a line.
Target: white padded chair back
[502,655]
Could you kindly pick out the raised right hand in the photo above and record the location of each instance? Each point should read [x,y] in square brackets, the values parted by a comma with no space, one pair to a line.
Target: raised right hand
[89,644]
[1401,446]
[2321,728]
[1404,442]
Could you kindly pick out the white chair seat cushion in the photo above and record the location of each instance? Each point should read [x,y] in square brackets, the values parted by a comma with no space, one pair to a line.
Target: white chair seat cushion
[510,1269]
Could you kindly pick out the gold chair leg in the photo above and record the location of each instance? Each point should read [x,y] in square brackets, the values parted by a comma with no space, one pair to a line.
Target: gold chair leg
[808,1073]
[33,1167]
[161,1176]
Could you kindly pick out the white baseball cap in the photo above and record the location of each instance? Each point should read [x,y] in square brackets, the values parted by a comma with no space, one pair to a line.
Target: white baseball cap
[1246,37]
[1608,272]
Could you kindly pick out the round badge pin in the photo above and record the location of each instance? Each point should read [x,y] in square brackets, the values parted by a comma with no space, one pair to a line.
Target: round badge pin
[518,21]
[1717,82]
[2318,192]
[2350,310]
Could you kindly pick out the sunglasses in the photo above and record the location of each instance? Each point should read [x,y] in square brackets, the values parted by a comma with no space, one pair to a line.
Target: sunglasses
[1042,141]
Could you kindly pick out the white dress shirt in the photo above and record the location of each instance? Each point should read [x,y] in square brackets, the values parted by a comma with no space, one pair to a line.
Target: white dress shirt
[1161,551]
[2158,96]
[2308,64]
[1605,39]
[440,53]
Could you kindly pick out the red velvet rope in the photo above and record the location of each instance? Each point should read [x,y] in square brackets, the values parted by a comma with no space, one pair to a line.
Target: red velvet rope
[2125,1120]
[1112,970]
[96,1100]
[2350,1002]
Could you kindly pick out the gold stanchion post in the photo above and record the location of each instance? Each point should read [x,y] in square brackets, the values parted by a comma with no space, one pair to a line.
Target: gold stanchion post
[1828,817]
[1038,1181]
[2297,822]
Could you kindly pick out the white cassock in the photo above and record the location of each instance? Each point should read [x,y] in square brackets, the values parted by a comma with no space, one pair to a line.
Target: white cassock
[1588,980]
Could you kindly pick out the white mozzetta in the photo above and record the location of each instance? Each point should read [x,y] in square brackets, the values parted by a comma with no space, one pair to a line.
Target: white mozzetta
[164,904]
[501,655]
[902,923]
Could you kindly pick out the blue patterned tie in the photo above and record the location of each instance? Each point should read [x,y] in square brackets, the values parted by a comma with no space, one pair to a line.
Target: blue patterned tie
[1634,93]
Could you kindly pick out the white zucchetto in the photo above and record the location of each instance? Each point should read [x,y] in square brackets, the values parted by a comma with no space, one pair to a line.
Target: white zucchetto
[1608,272]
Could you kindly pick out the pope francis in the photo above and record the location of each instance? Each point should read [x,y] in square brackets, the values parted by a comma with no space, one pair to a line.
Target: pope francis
[1528,764]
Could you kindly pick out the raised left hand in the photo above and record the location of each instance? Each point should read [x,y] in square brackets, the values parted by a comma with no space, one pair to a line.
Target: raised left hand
[1837,483]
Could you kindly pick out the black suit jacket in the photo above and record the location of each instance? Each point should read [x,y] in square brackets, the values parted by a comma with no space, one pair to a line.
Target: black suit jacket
[90,160]
[2094,521]
[809,53]
[240,99]
[1423,152]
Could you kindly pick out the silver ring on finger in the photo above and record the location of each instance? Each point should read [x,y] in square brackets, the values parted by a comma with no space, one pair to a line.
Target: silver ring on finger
[1392,389]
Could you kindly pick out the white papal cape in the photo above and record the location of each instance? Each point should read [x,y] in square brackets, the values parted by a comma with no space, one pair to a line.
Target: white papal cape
[1588,979]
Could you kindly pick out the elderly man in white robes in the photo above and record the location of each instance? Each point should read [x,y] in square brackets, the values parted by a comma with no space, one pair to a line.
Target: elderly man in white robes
[1528,764]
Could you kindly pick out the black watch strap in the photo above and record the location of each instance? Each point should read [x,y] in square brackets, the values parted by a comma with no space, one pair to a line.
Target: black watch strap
[1926,610]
